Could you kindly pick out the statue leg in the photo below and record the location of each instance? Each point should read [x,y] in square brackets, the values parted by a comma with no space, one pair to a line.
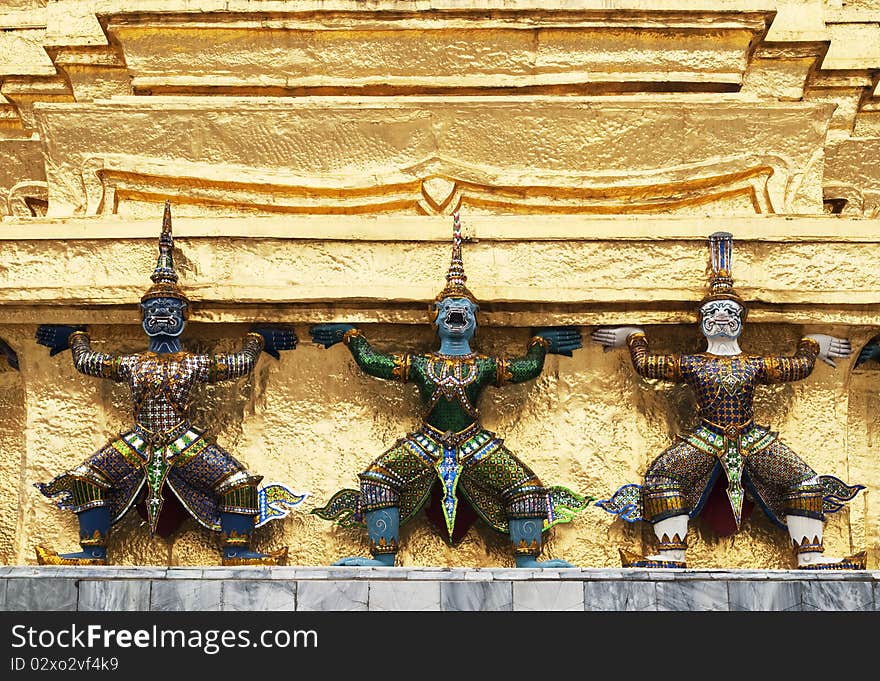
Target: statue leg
[392,489]
[510,497]
[217,489]
[674,479]
[237,530]
[238,513]
[383,529]
[665,508]
[525,536]
[96,489]
[672,538]
[94,527]
[805,522]
[788,488]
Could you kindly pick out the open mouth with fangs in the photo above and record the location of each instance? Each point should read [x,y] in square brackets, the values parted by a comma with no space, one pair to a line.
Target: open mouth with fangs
[456,319]
[162,323]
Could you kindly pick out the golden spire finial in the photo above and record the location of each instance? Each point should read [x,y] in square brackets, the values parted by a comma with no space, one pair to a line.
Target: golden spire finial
[455,277]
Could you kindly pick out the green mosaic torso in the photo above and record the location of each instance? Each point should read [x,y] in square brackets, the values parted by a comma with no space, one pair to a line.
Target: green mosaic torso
[450,385]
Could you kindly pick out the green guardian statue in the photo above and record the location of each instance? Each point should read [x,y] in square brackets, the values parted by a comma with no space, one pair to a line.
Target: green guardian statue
[451,451]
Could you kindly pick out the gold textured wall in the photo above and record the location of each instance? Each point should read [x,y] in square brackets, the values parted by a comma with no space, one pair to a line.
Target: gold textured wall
[313,421]
[313,152]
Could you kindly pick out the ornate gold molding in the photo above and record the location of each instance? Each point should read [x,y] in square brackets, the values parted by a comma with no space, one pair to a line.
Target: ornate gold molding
[436,186]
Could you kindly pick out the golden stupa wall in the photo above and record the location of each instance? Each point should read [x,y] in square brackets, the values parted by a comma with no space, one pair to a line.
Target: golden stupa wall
[313,152]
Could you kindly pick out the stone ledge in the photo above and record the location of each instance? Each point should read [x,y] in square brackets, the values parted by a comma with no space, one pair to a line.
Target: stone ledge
[431,589]
[649,273]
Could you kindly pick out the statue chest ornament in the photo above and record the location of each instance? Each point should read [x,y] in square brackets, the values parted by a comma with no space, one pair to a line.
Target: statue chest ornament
[724,387]
[167,379]
[731,376]
[732,381]
[450,378]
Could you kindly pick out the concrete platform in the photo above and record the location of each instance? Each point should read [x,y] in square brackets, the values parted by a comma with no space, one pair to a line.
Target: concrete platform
[431,589]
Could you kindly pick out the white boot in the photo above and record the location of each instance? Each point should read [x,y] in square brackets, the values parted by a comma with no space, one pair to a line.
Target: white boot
[671,534]
[806,536]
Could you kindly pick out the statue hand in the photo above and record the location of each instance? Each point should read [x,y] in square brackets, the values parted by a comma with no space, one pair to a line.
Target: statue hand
[329,335]
[614,337]
[56,336]
[831,348]
[869,352]
[276,339]
[563,339]
[10,354]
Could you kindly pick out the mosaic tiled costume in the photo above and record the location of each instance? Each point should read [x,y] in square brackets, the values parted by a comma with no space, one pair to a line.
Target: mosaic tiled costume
[164,451]
[163,448]
[451,449]
[754,463]
[729,441]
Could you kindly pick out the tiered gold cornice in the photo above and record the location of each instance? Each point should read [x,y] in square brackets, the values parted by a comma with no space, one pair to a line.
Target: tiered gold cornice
[627,269]
[77,52]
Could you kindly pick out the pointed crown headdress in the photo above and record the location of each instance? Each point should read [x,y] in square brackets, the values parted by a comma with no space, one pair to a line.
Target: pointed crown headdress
[455,277]
[720,274]
[164,277]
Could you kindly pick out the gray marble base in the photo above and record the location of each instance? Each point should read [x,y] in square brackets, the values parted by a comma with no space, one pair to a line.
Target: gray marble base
[622,595]
[332,595]
[405,595]
[186,594]
[692,594]
[99,595]
[431,589]
[262,595]
[764,595]
[34,593]
[476,595]
[556,595]
[838,596]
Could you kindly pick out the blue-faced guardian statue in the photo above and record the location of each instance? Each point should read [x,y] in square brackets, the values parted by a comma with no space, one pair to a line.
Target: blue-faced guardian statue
[164,454]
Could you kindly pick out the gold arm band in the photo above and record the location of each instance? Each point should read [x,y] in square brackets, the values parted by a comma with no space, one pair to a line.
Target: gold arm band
[537,340]
[503,374]
[351,333]
[257,337]
[635,337]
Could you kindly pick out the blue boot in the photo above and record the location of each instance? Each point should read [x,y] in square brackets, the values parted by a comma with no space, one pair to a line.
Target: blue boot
[94,526]
[237,529]
[383,529]
[525,535]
